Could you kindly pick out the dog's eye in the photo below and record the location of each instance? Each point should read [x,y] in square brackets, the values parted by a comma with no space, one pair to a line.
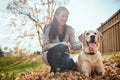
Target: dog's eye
[87,34]
[95,33]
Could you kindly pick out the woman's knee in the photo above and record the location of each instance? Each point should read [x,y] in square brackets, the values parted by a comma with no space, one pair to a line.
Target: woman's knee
[60,47]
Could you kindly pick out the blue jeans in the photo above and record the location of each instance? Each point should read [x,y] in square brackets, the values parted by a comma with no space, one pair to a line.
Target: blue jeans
[59,59]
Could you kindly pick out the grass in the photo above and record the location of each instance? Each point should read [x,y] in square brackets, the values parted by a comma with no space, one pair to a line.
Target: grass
[18,64]
[112,55]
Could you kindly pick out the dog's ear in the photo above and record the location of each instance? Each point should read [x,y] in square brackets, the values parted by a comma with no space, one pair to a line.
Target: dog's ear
[82,37]
[100,37]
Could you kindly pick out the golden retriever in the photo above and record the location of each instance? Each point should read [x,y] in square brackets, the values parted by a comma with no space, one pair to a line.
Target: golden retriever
[89,61]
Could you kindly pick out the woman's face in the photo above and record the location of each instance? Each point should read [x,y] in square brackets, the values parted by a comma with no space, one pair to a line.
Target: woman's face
[62,17]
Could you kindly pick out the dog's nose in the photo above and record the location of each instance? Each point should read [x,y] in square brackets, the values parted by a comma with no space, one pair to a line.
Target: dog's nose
[92,36]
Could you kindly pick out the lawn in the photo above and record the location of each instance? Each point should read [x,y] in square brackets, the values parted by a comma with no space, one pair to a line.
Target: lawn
[13,65]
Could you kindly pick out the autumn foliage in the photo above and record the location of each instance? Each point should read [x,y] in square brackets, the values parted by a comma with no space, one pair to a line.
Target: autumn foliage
[112,73]
[111,63]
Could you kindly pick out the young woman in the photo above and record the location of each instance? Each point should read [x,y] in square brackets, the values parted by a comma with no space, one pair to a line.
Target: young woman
[57,38]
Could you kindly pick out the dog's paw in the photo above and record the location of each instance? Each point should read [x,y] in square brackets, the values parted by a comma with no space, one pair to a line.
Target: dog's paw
[101,73]
[86,73]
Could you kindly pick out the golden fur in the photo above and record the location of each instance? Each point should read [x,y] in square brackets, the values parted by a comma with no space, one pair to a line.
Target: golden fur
[90,59]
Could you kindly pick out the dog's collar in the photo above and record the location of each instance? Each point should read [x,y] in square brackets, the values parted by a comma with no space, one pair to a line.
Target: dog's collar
[90,53]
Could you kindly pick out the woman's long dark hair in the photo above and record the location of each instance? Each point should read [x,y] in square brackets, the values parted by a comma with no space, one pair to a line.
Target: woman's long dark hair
[53,30]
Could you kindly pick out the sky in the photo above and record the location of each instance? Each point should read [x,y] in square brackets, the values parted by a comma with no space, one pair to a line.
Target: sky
[83,15]
[89,14]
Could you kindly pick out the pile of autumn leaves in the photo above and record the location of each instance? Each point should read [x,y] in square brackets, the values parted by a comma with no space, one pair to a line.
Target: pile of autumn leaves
[112,72]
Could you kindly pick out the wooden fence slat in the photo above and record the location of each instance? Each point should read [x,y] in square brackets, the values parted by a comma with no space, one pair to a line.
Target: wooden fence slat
[111,33]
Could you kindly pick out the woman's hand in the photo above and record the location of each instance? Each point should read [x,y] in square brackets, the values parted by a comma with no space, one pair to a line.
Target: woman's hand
[68,44]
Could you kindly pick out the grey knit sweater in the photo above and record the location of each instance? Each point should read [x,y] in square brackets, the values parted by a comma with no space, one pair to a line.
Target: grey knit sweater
[69,37]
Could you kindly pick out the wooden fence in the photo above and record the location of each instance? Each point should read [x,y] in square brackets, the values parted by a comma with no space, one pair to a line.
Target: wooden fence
[111,34]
